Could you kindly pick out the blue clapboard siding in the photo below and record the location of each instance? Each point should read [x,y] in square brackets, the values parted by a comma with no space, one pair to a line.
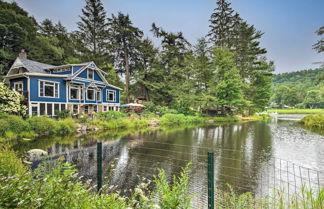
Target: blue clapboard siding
[24,80]
[105,94]
[76,68]
[34,89]
[97,77]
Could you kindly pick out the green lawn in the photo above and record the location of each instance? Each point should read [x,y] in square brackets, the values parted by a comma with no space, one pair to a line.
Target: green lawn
[297,111]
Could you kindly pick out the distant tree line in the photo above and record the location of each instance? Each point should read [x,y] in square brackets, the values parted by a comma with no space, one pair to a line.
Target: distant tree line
[302,89]
[227,69]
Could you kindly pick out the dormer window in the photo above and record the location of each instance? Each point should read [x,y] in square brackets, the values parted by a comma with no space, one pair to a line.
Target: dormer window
[90,74]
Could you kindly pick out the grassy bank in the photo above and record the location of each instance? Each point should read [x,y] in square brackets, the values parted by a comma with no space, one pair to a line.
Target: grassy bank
[14,127]
[297,111]
[313,121]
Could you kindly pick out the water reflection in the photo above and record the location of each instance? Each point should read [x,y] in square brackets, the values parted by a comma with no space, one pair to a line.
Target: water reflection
[243,153]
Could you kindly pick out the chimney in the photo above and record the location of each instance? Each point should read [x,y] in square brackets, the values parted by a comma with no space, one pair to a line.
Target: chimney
[23,54]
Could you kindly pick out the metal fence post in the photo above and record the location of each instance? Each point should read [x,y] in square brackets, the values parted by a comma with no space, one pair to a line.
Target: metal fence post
[99,165]
[211,185]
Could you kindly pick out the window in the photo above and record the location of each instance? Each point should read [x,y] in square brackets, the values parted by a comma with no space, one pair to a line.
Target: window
[48,89]
[95,108]
[86,109]
[62,107]
[34,109]
[18,86]
[42,108]
[98,95]
[90,94]
[74,92]
[56,108]
[49,109]
[111,108]
[111,96]
[75,109]
[90,74]
[105,108]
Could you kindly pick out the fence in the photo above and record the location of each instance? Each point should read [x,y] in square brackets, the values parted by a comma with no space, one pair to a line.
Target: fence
[210,174]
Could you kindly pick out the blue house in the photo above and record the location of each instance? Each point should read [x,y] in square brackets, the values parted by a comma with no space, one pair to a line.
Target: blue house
[47,89]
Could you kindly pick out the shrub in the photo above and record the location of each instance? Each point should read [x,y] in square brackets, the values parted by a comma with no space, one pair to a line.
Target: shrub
[17,124]
[10,164]
[136,122]
[169,119]
[41,125]
[65,126]
[62,114]
[313,121]
[110,115]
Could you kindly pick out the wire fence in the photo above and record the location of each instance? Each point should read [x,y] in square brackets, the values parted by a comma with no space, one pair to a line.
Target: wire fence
[212,170]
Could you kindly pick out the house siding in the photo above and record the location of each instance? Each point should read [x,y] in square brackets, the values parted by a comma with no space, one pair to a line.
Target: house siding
[105,95]
[34,89]
[24,80]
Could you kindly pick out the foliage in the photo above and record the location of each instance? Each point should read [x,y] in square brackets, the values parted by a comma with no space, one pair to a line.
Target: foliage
[319,46]
[41,125]
[110,115]
[173,119]
[62,114]
[65,126]
[313,121]
[297,111]
[10,101]
[10,164]
[175,196]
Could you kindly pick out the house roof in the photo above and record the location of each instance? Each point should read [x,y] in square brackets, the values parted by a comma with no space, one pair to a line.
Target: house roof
[31,66]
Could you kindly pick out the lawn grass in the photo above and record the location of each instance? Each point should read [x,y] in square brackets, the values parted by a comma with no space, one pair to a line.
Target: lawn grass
[297,111]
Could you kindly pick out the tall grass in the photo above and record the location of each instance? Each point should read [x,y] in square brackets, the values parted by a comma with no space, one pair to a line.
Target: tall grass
[297,111]
[172,119]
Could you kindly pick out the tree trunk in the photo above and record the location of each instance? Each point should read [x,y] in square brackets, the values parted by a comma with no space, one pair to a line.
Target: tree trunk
[127,76]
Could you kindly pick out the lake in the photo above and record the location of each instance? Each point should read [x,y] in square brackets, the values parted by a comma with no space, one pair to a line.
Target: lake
[250,156]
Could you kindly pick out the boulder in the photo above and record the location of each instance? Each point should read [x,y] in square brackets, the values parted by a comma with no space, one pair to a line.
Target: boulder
[36,154]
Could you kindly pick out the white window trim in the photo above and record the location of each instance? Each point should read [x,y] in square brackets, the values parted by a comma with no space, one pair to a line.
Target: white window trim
[107,97]
[54,82]
[88,71]
[94,95]
[79,92]
[100,96]
[19,83]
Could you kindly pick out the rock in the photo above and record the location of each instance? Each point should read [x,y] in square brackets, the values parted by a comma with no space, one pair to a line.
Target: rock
[210,121]
[26,139]
[36,154]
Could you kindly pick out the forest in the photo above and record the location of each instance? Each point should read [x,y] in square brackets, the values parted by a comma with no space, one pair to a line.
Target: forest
[227,68]
[302,89]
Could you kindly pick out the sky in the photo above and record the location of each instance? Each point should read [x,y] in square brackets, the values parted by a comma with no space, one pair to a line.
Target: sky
[289,25]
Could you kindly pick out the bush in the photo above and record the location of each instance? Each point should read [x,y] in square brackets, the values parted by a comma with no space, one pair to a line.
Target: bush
[136,122]
[65,126]
[110,115]
[313,121]
[169,119]
[11,126]
[42,125]
[62,114]
[10,164]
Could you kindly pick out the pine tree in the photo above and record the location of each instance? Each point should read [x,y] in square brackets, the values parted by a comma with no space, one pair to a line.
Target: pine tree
[319,46]
[93,29]
[125,40]
[222,24]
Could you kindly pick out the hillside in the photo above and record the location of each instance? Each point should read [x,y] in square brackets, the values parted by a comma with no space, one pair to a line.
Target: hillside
[303,88]
[299,79]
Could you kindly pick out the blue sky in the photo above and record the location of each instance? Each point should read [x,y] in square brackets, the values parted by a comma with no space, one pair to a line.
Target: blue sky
[289,25]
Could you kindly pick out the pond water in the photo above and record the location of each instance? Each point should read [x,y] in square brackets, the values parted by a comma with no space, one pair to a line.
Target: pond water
[246,154]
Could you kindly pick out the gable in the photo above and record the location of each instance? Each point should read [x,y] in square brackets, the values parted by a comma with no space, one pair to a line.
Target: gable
[84,75]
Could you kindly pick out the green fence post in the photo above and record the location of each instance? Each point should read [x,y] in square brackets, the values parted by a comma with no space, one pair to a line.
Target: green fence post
[99,165]
[210,174]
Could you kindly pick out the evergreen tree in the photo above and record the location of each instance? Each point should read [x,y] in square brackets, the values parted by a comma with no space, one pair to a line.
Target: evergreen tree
[228,91]
[93,30]
[222,24]
[125,40]
[319,46]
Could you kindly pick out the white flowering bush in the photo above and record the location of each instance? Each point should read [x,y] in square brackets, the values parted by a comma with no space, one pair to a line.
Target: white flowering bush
[10,101]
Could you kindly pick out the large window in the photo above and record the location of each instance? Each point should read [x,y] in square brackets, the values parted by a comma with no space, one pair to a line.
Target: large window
[90,74]
[90,94]
[111,96]
[48,89]
[18,86]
